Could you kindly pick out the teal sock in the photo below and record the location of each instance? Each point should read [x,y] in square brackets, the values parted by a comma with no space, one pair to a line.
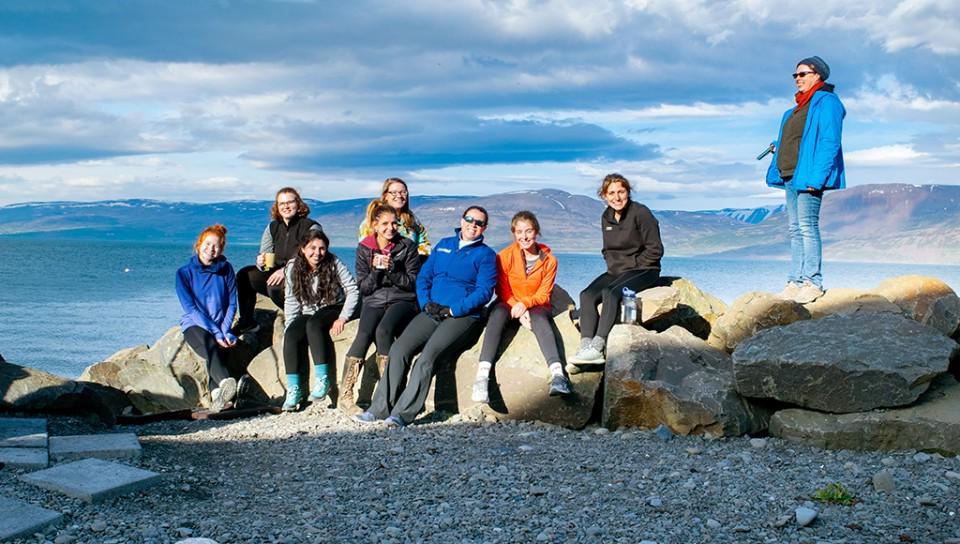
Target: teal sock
[320,370]
[293,380]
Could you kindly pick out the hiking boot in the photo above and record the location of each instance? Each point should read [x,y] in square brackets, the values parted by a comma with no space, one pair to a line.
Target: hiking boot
[790,291]
[394,422]
[559,385]
[222,397]
[320,387]
[294,397]
[807,293]
[382,361]
[351,371]
[365,418]
[481,392]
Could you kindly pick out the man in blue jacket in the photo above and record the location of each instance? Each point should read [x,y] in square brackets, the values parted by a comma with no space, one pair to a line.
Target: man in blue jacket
[807,161]
[453,286]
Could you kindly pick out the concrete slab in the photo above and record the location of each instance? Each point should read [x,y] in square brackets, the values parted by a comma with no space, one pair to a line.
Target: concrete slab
[20,432]
[24,457]
[100,446]
[93,480]
[18,518]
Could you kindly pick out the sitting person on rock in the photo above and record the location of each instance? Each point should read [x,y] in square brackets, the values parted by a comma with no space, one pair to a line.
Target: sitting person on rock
[526,271]
[632,250]
[207,289]
[387,266]
[396,195]
[321,297]
[279,244]
[454,285]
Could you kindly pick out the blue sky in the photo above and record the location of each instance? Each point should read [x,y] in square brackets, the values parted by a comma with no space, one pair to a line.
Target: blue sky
[222,100]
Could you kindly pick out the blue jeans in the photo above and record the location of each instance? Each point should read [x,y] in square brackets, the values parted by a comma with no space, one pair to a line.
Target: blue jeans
[803,215]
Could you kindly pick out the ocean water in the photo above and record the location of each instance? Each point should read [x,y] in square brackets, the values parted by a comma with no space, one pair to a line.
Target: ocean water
[67,304]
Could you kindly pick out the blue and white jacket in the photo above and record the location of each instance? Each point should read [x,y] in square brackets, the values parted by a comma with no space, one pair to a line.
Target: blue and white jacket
[820,159]
[208,295]
[461,278]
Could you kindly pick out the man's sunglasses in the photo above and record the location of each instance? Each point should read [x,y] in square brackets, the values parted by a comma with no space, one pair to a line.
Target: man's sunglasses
[478,222]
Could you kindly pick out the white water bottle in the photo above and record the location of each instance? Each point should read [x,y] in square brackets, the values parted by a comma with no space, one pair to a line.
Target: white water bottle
[628,307]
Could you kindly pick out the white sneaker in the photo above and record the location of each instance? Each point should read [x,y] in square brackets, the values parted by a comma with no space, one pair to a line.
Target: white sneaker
[222,397]
[808,293]
[481,391]
[790,291]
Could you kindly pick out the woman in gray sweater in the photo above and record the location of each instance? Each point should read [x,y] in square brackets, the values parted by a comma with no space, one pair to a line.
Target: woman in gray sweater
[321,295]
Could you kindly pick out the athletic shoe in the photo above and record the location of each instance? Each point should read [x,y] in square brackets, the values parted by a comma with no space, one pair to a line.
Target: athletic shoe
[559,385]
[244,328]
[292,402]
[320,388]
[394,422]
[808,293]
[365,418]
[589,355]
[222,397]
[790,291]
[481,392]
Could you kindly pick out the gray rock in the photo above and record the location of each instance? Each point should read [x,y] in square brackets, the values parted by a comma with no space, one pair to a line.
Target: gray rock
[758,443]
[932,423]
[675,379]
[713,524]
[680,303]
[843,363]
[32,390]
[883,482]
[751,313]
[805,516]
[921,457]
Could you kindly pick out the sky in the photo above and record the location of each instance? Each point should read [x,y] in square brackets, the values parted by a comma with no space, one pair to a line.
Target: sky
[202,101]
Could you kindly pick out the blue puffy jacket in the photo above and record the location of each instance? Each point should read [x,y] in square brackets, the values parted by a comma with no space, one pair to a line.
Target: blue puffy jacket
[462,279]
[820,160]
[208,295]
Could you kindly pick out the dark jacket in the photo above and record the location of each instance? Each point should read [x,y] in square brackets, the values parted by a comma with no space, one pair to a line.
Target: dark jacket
[208,295]
[461,278]
[633,243]
[286,238]
[380,288]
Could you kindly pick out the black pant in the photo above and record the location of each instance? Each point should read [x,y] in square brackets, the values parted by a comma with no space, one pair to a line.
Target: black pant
[433,338]
[540,321]
[382,324]
[205,345]
[250,281]
[316,330]
[609,290]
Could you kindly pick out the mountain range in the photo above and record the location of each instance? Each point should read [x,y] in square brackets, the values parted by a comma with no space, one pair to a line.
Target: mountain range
[894,223]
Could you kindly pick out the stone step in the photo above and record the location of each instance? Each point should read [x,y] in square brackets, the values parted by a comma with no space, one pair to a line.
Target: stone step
[30,458]
[19,432]
[93,480]
[100,446]
[23,519]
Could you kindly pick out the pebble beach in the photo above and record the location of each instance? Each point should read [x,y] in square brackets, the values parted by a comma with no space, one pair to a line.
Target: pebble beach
[316,476]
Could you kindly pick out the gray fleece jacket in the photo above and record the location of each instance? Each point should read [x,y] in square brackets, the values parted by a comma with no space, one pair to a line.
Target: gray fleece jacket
[348,294]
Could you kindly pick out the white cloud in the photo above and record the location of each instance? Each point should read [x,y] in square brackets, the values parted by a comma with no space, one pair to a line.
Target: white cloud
[887,155]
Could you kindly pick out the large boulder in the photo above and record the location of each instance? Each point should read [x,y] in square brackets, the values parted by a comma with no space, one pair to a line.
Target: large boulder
[150,387]
[519,381]
[751,313]
[846,301]
[30,390]
[680,302]
[932,423]
[924,299]
[843,363]
[674,379]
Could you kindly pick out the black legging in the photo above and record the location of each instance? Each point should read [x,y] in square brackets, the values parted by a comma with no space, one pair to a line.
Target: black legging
[540,321]
[250,281]
[382,324]
[205,345]
[316,330]
[609,290]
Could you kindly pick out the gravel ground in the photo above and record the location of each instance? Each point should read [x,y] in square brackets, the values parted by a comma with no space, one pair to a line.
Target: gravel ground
[315,476]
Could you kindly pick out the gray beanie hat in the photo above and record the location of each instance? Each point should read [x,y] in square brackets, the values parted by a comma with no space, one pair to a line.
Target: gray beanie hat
[818,65]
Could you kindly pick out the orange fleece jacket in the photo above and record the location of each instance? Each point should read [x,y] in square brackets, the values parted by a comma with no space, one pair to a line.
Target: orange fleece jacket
[513,283]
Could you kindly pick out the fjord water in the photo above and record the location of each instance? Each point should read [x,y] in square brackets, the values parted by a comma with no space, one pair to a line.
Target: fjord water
[67,304]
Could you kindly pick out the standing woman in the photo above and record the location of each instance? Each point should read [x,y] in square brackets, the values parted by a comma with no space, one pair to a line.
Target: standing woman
[396,195]
[526,271]
[280,241]
[808,160]
[387,266]
[632,250]
[207,289]
[321,297]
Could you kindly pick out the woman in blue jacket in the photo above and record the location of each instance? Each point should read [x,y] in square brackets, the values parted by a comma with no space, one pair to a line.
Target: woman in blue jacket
[454,285]
[808,160]
[207,289]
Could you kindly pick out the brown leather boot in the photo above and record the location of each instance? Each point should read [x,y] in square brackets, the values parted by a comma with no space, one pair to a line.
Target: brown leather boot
[351,371]
[382,361]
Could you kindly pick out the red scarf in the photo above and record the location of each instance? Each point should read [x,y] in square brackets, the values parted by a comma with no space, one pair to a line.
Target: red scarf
[803,98]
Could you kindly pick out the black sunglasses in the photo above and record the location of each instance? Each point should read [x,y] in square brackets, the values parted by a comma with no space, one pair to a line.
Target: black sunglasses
[802,74]
[478,222]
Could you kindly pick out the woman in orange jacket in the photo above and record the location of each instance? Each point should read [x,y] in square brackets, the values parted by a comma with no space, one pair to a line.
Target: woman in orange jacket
[526,271]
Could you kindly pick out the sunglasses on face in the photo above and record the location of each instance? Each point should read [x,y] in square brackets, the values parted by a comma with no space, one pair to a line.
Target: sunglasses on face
[802,74]
[478,222]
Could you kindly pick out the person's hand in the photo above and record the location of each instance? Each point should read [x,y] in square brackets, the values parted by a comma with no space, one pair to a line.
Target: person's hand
[431,309]
[261,261]
[525,320]
[224,343]
[276,278]
[337,326]
[518,310]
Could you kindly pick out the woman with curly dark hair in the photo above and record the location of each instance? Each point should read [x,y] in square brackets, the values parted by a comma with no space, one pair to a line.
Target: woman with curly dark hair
[290,222]
[321,295]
